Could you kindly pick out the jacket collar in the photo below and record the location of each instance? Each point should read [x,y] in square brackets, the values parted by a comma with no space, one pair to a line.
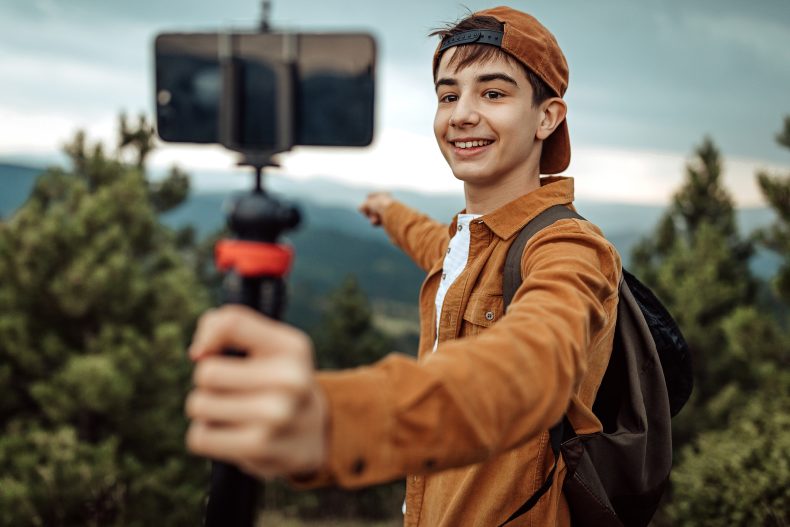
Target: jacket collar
[510,218]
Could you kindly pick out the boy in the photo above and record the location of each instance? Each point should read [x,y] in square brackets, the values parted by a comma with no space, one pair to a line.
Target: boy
[467,423]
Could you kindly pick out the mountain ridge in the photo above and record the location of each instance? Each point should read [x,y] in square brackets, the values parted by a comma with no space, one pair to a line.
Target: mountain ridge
[331,207]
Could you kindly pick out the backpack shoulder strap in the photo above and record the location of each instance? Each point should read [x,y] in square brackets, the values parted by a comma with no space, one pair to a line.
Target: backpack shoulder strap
[511,277]
[511,280]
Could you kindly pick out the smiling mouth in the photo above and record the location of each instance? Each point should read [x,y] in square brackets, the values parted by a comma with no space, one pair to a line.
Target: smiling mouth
[471,144]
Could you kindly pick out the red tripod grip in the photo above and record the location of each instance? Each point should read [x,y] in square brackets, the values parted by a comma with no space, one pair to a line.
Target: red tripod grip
[250,259]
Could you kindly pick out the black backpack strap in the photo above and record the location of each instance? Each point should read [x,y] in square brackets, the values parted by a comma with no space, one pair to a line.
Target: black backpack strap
[555,440]
[511,280]
[511,277]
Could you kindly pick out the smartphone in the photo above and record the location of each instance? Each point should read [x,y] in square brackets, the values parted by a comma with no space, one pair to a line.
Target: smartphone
[258,91]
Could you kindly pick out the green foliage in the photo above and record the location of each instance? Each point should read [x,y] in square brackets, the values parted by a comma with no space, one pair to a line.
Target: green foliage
[96,308]
[758,353]
[734,462]
[170,192]
[347,337]
[703,198]
[776,190]
[754,360]
[699,266]
[57,478]
[140,138]
[739,476]
[371,503]
[783,137]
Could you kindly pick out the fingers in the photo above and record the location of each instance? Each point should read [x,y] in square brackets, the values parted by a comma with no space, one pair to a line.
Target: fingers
[374,219]
[270,409]
[266,435]
[265,411]
[284,455]
[230,443]
[374,206]
[263,391]
[370,214]
[253,450]
[239,327]
[220,373]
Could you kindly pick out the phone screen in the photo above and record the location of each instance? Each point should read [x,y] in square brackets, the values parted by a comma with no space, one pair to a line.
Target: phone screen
[331,97]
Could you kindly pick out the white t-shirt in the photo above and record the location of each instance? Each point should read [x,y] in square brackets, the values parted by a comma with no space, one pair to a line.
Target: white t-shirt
[454,263]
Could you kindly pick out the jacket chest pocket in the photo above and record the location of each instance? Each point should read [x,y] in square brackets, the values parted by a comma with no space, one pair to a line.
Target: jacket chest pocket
[483,310]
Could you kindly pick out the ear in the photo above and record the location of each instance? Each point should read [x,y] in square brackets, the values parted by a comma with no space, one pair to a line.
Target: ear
[553,112]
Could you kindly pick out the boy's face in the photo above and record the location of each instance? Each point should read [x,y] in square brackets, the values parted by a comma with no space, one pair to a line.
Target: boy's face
[485,123]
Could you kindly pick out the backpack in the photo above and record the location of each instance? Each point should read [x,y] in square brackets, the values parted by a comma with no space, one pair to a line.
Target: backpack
[615,478]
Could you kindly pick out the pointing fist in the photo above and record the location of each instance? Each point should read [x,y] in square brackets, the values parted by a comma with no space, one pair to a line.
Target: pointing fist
[374,205]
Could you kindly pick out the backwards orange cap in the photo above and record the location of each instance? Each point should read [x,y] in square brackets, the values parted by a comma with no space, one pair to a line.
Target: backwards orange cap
[529,42]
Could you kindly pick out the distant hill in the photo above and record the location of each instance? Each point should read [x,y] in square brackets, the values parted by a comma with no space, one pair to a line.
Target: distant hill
[324,257]
[329,211]
[16,182]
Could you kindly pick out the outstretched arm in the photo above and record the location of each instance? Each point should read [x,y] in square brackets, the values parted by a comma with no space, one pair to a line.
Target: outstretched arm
[423,239]
[270,414]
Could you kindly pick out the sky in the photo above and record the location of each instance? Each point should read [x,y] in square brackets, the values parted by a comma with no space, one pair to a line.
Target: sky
[648,81]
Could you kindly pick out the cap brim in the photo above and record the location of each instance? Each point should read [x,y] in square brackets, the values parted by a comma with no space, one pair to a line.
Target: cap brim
[556,154]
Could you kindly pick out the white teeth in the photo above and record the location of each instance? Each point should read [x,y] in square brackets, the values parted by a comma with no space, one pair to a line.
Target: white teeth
[470,144]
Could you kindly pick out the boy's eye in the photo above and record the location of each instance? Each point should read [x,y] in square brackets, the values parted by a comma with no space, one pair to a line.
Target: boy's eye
[490,94]
[448,98]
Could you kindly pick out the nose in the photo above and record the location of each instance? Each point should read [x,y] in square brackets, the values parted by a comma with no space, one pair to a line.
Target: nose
[464,113]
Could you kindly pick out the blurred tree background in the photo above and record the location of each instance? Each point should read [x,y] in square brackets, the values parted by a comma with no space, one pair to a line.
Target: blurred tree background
[97,303]
[98,300]
[731,441]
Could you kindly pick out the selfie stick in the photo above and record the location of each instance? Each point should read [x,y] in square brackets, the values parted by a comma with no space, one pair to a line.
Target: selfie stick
[255,264]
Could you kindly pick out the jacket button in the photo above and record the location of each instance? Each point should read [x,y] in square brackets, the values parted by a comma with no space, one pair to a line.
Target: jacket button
[358,467]
[489,315]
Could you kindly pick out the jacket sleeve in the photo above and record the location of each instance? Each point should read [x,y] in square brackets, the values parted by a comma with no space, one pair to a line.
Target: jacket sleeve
[480,395]
[423,239]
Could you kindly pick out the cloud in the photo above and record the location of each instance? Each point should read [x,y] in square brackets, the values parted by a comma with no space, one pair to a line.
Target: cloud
[73,67]
[398,159]
[404,160]
[768,40]
[48,8]
[639,176]
[406,98]
[45,133]
[45,82]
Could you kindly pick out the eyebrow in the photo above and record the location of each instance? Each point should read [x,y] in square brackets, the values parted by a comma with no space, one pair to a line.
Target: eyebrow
[488,77]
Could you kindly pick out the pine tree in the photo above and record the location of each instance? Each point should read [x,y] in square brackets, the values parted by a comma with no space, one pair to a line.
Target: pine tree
[736,470]
[738,476]
[703,198]
[96,308]
[347,337]
[776,190]
[699,265]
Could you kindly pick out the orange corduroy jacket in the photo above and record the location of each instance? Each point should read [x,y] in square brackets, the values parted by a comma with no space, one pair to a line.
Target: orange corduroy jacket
[467,425]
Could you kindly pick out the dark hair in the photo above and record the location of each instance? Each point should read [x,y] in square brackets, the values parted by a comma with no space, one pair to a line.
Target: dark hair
[467,54]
